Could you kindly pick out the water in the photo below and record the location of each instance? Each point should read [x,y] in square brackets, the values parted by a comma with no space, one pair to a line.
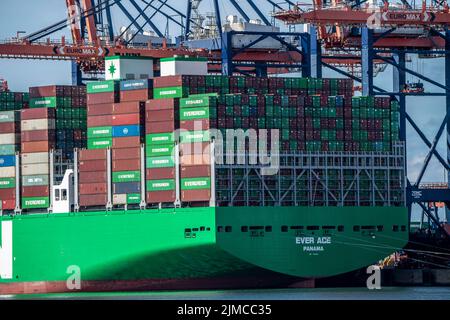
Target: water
[387,293]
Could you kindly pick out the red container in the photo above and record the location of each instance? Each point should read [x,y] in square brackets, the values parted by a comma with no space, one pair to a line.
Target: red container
[195,160]
[94,154]
[169,81]
[93,188]
[35,191]
[128,142]
[37,113]
[99,121]
[195,148]
[126,165]
[9,193]
[100,109]
[195,171]
[38,135]
[8,204]
[136,95]
[159,115]
[128,107]
[160,196]
[92,177]
[46,91]
[102,98]
[92,165]
[195,195]
[203,124]
[160,173]
[161,104]
[9,127]
[159,127]
[126,153]
[37,146]
[88,200]
[125,119]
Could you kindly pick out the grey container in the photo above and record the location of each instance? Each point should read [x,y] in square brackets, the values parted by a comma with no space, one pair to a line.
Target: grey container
[9,116]
[37,157]
[126,187]
[36,180]
[37,124]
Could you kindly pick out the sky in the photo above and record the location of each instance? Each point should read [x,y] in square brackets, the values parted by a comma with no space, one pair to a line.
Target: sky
[31,15]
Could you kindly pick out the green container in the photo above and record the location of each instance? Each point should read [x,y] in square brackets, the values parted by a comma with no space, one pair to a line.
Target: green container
[194,136]
[160,138]
[103,86]
[101,143]
[160,185]
[7,183]
[196,183]
[35,202]
[8,149]
[126,176]
[324,134]
[133,198]
[170,92]
[160,162]
[99,132]
[198,101]
[194,113]
[45,102]
[159,150]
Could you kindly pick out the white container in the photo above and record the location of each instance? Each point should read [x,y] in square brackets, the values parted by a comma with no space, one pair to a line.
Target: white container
[128,68]
[35,169]
[7,172]
[38,157]
[37,124]
[9,138]
[183,66]
[119,199]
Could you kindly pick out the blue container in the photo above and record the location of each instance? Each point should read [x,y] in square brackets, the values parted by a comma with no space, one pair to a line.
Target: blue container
[126,187]
[126,131]
[128,85]
[7,161]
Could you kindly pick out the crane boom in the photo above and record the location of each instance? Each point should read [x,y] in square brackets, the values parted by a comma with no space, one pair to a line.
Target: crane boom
[90,22]
[72,11]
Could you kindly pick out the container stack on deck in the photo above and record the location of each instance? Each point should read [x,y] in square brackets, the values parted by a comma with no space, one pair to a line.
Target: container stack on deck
[9,145]
[70,117]
[127,121]
[38,138]
[195,147]
[13,100]
[161,116]
[93,180]
[100,98]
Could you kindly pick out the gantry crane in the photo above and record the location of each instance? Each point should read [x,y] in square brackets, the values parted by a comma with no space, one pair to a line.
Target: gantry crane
[389,33]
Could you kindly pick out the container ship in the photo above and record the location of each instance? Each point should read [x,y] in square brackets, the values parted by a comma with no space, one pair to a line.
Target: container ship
[195,181]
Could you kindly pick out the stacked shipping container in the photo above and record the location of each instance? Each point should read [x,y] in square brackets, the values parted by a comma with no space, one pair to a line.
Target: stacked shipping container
[92,177]
[100,98]
[38,138]
[9,145]
[161,116]
[136,90]
[70,105]
[127,132]
[13,100]
[195,147]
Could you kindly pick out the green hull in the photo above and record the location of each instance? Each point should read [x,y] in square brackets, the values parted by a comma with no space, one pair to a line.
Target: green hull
[187,244]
